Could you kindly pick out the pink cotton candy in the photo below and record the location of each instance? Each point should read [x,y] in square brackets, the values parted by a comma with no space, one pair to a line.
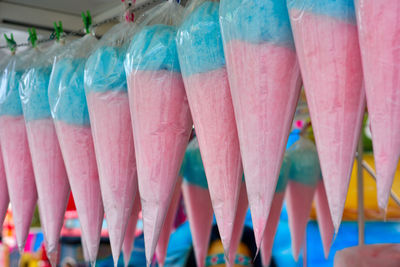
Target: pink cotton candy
[130,233]
[115,154]
[161,127]
[214,120]
[242,207]
[78,152]
[325,224]
[270,229]
[4,198]
[51,181]
[330,62]
[265,85]
[19,174]
[200,215]
[162,245]
[379,31]
[299,199]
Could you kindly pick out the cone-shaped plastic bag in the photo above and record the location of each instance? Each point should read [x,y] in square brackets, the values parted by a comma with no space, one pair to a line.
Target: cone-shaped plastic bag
[275,213]
[240,216]
[70,114]
[204,73]
[197,201]
[325,223]
[304,174]
[162,245]
[378,30]
[327,46]
[130,233]
[48,165]
[14,145]
[108,104]
[161,120]
[4,198]
[264,80]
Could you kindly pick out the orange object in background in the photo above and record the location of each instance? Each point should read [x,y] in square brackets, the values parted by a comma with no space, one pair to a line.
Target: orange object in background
[371,209]
[4,255]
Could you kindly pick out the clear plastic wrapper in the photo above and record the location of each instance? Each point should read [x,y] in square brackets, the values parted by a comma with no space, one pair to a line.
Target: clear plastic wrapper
[197,201]
[71,118]
[162,245]
[130,233]
[324,218]
[378,31]
[14,145]
[264,79]
[275,213]
[325,34]
[4,198]
[108,104]
[160,114]
[48,164]
[304,174]
[202,61]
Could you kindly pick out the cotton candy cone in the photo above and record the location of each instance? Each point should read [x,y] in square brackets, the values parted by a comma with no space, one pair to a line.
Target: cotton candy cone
[76,145]
[207,88]
[130,234]
[200,215]
[264,80]
[299,199]
[274,214]
[378,30]
[51,180]
[161,125]
[19,173]
[270,229]
[162,245]
[242,207]
[325,224]
[115,154]
[4,198]
[304,174]
[325,34]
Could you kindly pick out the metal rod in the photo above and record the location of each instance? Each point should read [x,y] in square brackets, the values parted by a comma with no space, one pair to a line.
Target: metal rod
[360,195]
[373,175]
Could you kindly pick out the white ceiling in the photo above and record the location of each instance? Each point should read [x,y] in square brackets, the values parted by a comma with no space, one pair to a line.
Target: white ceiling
[72,7]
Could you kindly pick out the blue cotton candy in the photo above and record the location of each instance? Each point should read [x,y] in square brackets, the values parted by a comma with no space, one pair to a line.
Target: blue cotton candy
[304,163]
[10,103]
[105,70]
[256,21]
[199,40]
[34,95]
[192,169]
[153,48]
[66,92]
[341,9]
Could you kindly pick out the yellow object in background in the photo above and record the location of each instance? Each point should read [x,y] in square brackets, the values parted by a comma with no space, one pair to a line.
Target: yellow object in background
[371,209]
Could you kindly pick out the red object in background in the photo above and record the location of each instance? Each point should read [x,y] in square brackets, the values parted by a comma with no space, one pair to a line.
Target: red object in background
[44,261]
[71,203]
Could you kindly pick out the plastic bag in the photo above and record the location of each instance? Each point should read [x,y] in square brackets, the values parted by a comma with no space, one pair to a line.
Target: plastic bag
[304,175]
[204,73]
[107,97]
[264,80]
[197,200]
[48,165]
[327,46]
[161,120]
[71,118]
[378,31]
[14,146]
